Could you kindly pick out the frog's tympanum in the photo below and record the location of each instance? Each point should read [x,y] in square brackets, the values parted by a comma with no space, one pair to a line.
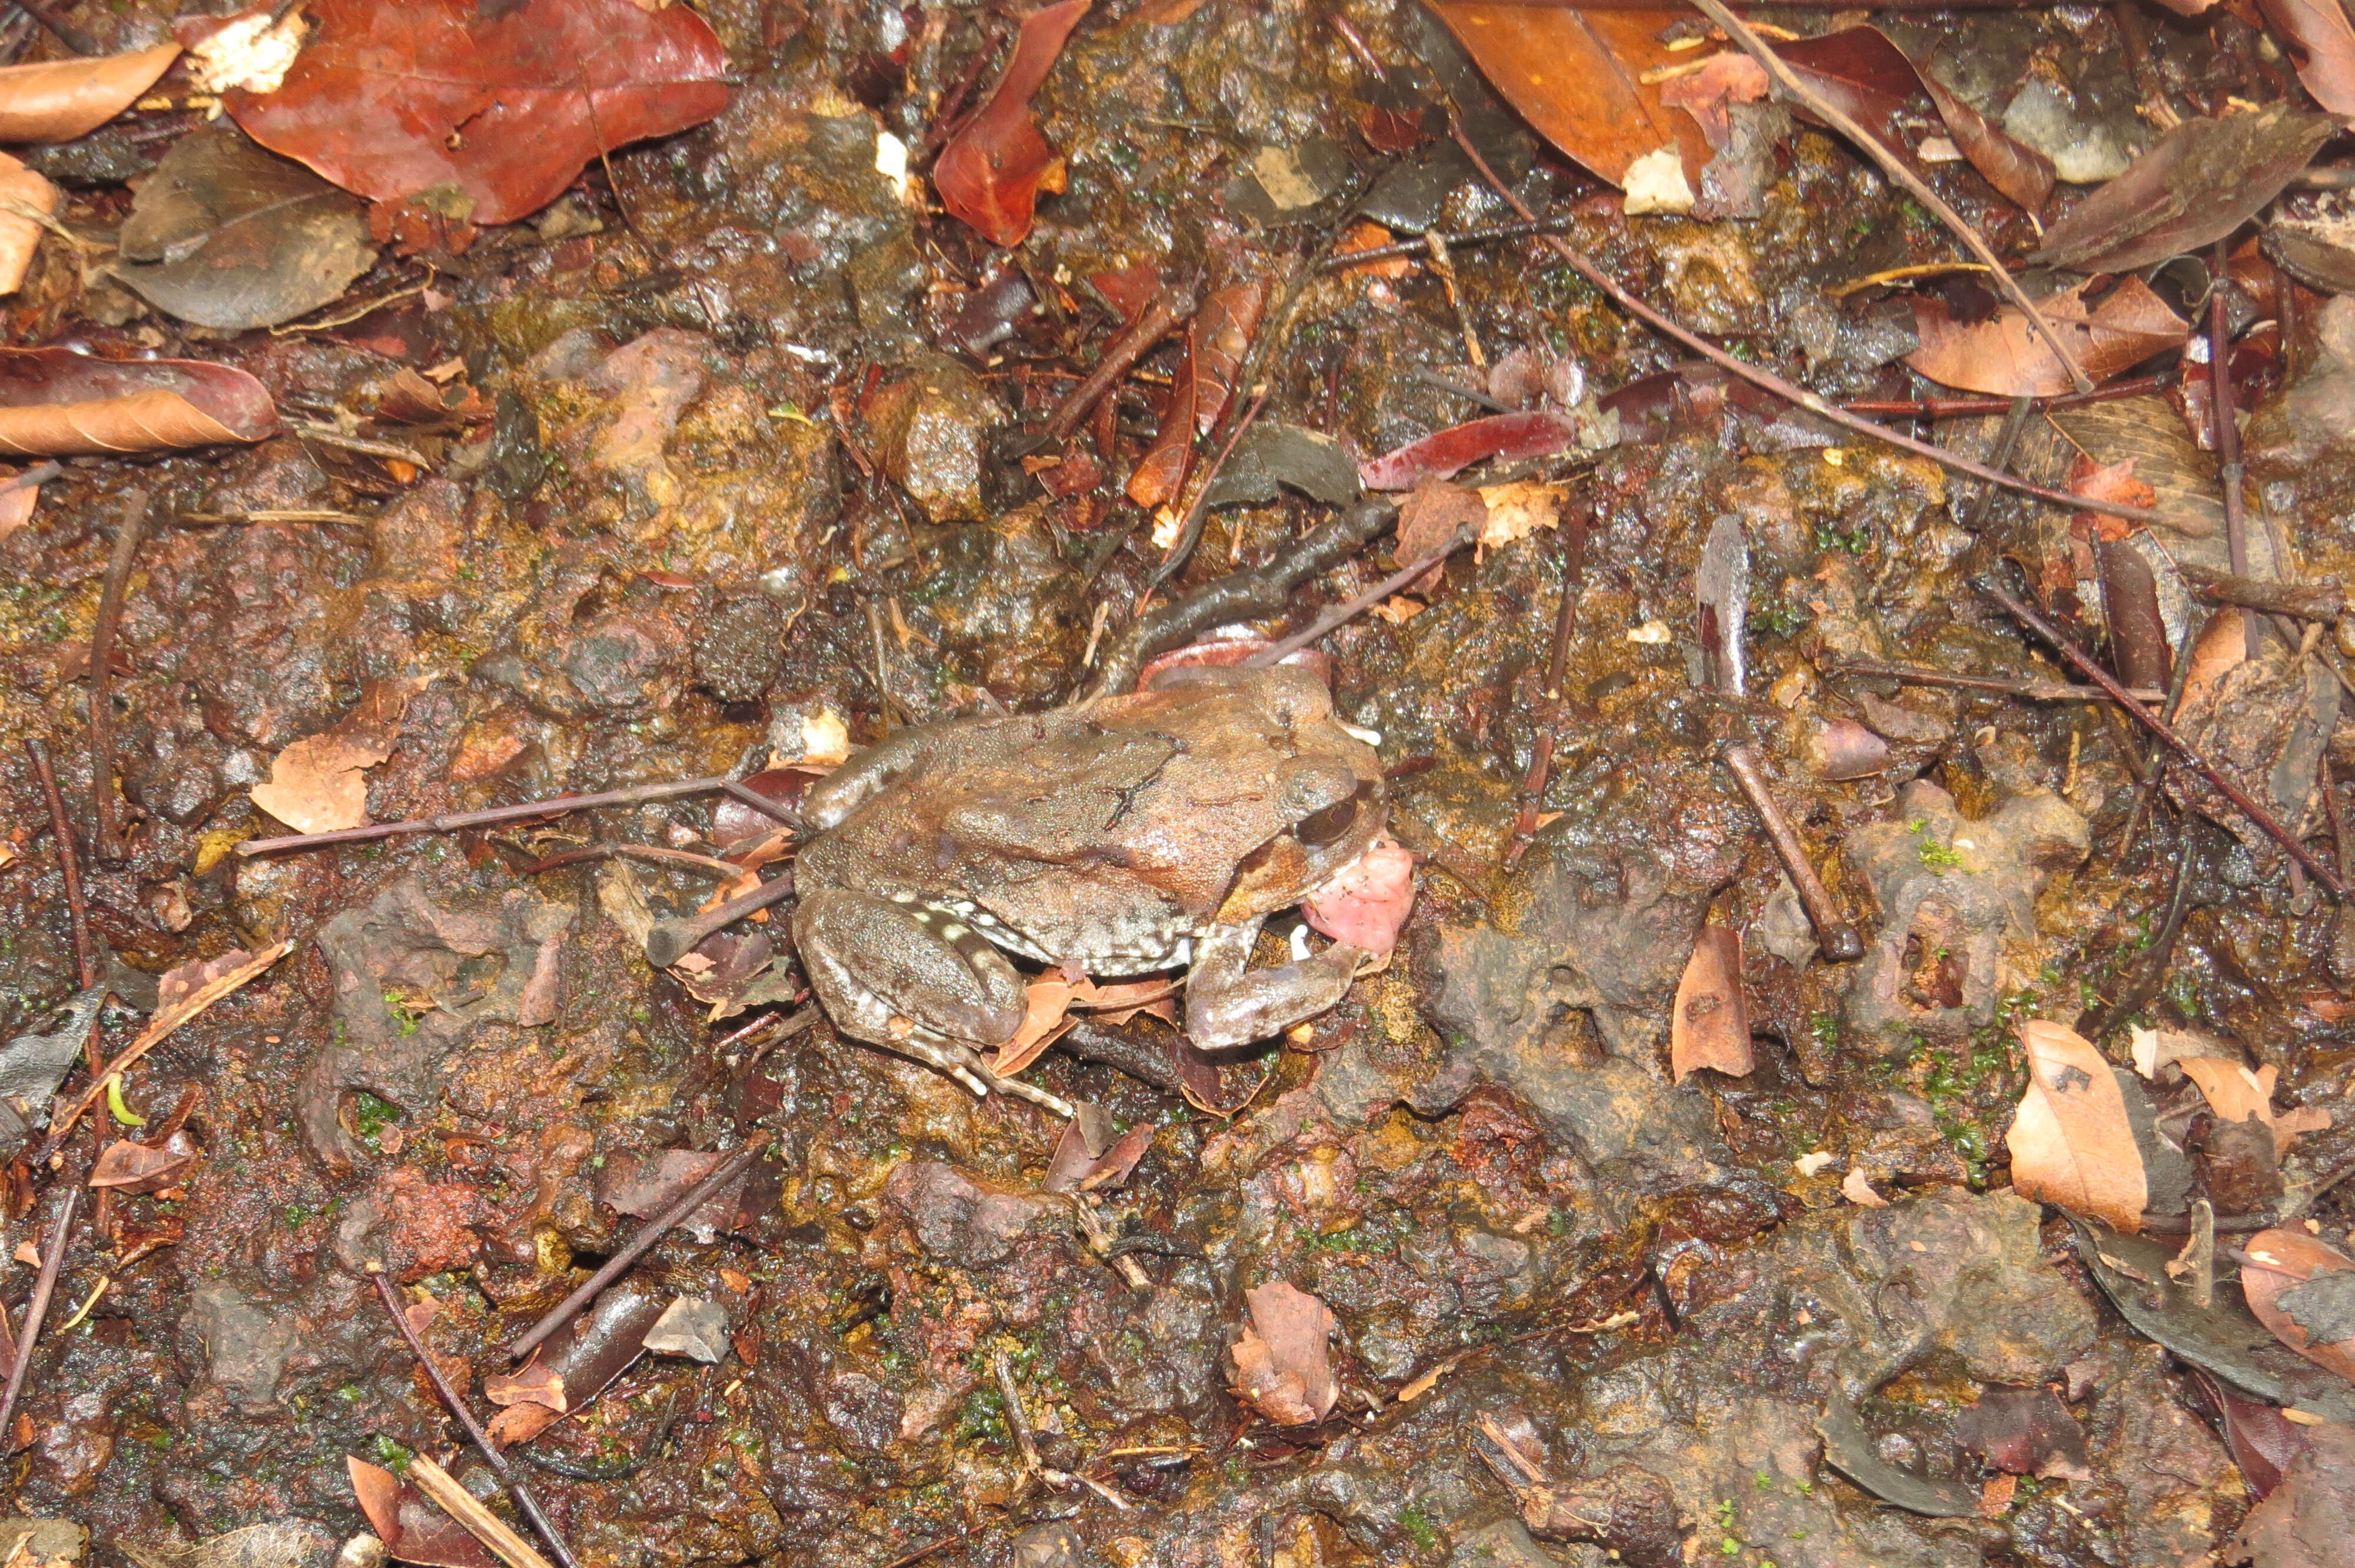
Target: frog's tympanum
[1115,838]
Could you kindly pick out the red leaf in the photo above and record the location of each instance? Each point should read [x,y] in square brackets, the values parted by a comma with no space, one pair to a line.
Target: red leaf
[1283,1367]
[1222,337]
[2107,481]
[2006,357]
[989,175]
[389,100]
[54,401]
[1160,474]
[2326,41]
[1445,453]
[137,1168]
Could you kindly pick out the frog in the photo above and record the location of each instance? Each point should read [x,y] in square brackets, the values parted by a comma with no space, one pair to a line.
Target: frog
[1117,837]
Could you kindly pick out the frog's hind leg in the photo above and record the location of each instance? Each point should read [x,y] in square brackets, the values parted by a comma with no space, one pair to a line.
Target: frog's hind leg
[914,980]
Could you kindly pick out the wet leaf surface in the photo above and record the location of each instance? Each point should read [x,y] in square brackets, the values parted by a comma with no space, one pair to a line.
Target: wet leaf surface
[56,101]
[54,401]
[2007,357]
[503,103]
[990,173]
[226,235]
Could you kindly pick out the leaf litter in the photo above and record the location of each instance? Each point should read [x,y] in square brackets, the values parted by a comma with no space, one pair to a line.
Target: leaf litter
[1486,1192]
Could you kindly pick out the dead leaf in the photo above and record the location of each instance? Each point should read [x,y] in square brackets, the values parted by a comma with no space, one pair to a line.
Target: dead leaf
[1222,337]
[2325,52]
[2025,1432]
[1283,1366]
[20,235]
[2070,1142]
[228,234]
[2303,1289]
[1863,73]
[143,1168]
[1443,454]
[1726,77]
[58,100]
[2107,481]
[990,173]
[1577,77]
[2005,356]
[1160,474]
[318,784]
[505,103]
[1857,1188]
[2232,1090]
[1365,235]
[2191,187]
[1366,903]
[1434,512]
[1711,1025]
[55,403]
[2307,1519]
[1074,1170]
[1519,509]
[1045,1020]
[2222,647]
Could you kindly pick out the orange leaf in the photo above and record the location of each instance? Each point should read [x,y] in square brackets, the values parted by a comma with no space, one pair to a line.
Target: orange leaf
[2288,1264]
[2005,356]
[990,173]
[1043,1023]
[1283,1366]
[2070,1142]
[58,100]
[54,402]
[1710,1027]
[1575,76]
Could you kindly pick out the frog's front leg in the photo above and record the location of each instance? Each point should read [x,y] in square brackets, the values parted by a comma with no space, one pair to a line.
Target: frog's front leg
[1227,1004]
[910,977]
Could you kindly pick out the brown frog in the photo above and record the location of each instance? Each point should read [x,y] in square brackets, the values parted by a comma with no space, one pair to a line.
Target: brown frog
[1119,837]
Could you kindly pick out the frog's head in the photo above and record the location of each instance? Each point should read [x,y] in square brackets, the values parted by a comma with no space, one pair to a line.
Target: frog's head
[1328,803]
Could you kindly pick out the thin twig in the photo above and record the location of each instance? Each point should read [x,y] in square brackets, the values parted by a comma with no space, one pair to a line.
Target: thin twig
[661,1225]
[1835,938]
[48,14]
[528,810]
[652,853]
[69,867]
[39,473]
[2149,973]
[2031,690]
[463,1506]
[1531,794]
[526,1503]
[1581,264]
[1959,408]
[1831,115]
[28,1335]
[2225,426]
[1190,532]
[2154,765]
[2263,820]
[106,845]
[1160,318]
[1415,249]
[329,435]
[1350,609]
[667,942]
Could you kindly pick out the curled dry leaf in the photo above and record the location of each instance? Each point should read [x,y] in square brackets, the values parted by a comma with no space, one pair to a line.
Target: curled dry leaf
[990,173]
[58,100]
[2072,1143]
[1074,1170]
[20,232]
[2108,481]
[1222,337]
[318,784]
[1443,454]
[55,403]
[2191,187]
[1283,1364]
[2003,356]
[1160,474]
[1710,1027]
[503,103]
[412,1528]
[143,1168]
[1434,512]
[2304,1290]
[1577,77]
[2237,1094]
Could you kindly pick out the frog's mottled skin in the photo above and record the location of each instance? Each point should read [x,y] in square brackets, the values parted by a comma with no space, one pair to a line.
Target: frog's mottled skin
[1132,835]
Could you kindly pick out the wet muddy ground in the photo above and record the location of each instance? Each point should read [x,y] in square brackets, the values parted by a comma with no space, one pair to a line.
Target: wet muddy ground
[747,482]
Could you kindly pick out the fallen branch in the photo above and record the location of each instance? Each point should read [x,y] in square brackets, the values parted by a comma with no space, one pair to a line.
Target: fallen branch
[105,844]
[526,1503]
[53,1261]
[2263,820]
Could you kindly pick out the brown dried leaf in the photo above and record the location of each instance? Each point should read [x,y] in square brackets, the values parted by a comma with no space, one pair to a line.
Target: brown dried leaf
[2307,1521]
[1222,337]
[1283,1366]
[317,784]
[534,1382]
[1857,1188]
[1074,1170]
[2233,1091]
[2318,1326]
[2070,1142]
[2325,51]
[55,403]
[141,1168]
[412,1528]
[1160,474]
[2222,647]
[1710,1027]
[2191,187]
[58,100]
[1044,1021]
[2005,356]
[1727,78]
[20,235]
[1576,75]
[991,171]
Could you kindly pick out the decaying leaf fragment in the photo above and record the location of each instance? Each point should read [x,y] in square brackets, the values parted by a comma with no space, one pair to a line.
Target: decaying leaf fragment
[318,784]
[55,403]
[1710,1027]
[2236,1093]
[2304,1290]
[2072,1143]
[1283,1367]
[23,193]
[2005,356]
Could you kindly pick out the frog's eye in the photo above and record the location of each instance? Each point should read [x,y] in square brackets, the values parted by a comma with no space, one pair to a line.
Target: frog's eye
[1321,829]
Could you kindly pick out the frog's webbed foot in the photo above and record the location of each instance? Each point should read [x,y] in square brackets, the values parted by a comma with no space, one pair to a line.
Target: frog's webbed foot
[1227,1004]
[912,979]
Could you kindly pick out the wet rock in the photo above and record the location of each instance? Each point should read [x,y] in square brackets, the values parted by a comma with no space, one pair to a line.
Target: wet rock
[930,428]
[1506,1544]
[76,1447]
[1010,610]
[1627,1510]
[2181,1485]
[955,1217]
[245,1343]
[414,981]
[624,664]
[1048,1546]
[865,1412]
[410,1227]
[1609,946]
[738,647]
[692,1327]
[1959,906]
[2313,417]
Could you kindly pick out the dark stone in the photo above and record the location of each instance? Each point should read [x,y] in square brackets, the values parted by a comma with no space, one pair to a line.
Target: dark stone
[740,648]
